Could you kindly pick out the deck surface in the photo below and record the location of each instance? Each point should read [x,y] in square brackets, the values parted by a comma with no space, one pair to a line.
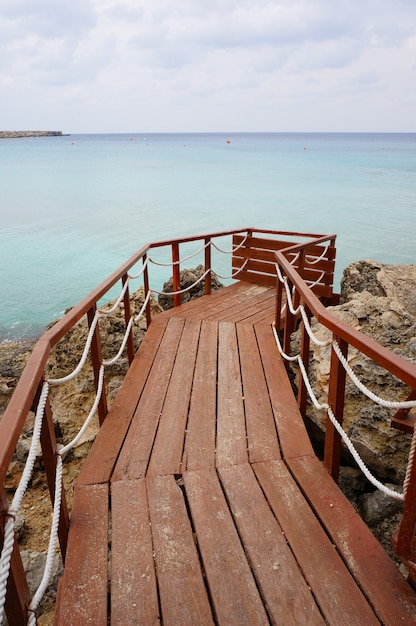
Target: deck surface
[202,502]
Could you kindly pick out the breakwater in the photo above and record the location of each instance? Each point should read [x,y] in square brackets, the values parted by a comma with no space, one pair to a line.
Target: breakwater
[8,134]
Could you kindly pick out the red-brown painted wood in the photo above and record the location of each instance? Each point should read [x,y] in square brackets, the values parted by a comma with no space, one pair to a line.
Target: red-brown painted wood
[262,439]
[289,599]
[335,590]
[393,601]
[83,591]
[232,586]
[201,428]
[183,596]
[167,451]
[231,427]
[134,456]
[134,595]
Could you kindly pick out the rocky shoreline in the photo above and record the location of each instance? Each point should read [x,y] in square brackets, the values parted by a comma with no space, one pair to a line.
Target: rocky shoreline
[12,134]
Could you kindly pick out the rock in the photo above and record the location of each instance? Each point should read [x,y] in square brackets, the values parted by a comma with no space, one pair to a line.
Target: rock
[188,277]
[377,506]
[380,301]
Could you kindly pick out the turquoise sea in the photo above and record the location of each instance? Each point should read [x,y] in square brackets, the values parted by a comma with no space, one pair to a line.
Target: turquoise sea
[73,208]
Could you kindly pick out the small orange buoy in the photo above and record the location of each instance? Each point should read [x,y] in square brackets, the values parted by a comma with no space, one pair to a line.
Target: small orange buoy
[228,140]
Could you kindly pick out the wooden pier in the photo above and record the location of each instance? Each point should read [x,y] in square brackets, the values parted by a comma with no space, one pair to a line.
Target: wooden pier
[202,502]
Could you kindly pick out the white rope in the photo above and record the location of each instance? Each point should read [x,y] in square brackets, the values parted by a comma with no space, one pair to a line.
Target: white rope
[173,293]
[385,403]
[48,571]
[186,258]
[315,340]
[123,345]
[234,274]
[410,462]
[289,297]
[117,302]
[317,281]
[338,427]
[18,497]
[319,258]
[390,492]
[64,379]
[233,250]
[91,414]
[134,276]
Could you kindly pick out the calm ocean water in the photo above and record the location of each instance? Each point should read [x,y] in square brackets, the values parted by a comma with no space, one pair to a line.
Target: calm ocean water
[74,208]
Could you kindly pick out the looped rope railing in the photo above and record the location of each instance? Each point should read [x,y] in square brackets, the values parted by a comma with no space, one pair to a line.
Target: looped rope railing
[186,258]
[371,395]
[319,258]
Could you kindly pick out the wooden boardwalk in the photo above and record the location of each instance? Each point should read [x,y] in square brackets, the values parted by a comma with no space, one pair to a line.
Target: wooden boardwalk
[202,502]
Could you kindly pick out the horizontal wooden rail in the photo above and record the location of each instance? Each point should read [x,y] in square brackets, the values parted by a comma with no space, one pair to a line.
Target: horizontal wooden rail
[345,335]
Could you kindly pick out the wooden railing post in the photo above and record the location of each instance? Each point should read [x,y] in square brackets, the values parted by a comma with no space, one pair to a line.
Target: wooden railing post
[336,399]
[146,291]
[96,359]
[176,274]
[278,317]
[207,256]
[304,353]
[289,326]
[127,316]
[404,541]
[18,594]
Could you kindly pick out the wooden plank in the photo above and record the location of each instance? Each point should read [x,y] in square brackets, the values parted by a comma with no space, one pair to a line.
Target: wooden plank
[250,307]
[83,595]
[168,446]
[394,601]
[102,457]
[237,303]
[286,594]
[233,590]
[204,301]
[137,447]
[257,278]
[231,427]
[267,315]
[201,429]
[134,597]
[294,440]
[261,243]
[264,310]
[183,596]
[261,428]
[331,583]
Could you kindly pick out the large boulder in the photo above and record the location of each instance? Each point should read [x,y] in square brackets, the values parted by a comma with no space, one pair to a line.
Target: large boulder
[380,301]
[192,281]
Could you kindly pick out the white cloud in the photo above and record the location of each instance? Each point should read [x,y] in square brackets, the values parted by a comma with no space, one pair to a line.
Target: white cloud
[98,65]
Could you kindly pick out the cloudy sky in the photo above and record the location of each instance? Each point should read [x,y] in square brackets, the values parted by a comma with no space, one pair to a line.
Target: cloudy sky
[208,65]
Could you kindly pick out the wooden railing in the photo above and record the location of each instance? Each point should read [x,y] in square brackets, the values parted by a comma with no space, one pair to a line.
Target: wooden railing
[344,335]
[258,251]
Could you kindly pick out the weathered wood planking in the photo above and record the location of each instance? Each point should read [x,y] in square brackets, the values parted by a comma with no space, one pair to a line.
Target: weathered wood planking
[183,596]
[219,511]
[289,600]
[133,585]
[83,589]
[231,426]
[334,588]
[235,596]
[135,454]
[199,452]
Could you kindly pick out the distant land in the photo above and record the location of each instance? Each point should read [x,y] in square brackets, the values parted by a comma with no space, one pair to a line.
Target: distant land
[8,134]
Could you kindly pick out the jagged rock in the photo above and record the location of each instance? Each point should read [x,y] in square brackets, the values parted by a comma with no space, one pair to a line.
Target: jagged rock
[384,308]
[188,277]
